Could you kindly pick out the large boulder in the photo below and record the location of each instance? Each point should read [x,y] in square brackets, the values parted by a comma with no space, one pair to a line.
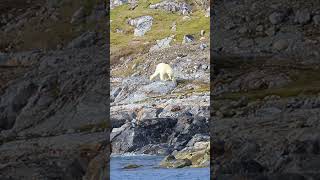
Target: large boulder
[163,43]
[142,25]
[159,87]
[149,131]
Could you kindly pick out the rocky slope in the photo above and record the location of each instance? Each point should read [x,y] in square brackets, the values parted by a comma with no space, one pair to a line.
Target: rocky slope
[266,90]
[53,103]
[154,117]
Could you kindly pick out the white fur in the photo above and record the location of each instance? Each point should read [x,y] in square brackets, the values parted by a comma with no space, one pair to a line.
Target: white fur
[164,71]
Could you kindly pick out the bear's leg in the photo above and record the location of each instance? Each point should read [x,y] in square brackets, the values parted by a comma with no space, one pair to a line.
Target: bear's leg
[166,77]
[153,76]
[170,77]
[162,76]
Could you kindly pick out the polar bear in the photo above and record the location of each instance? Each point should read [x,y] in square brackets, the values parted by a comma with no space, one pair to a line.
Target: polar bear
[164,71]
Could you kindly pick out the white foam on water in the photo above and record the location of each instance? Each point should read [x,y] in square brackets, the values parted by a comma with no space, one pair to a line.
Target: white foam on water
[129,155]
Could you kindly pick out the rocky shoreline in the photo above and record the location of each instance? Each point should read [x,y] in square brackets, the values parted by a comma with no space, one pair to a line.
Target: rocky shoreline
[164,118]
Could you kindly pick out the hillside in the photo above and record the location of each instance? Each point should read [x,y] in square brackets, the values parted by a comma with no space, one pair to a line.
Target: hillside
[143,34]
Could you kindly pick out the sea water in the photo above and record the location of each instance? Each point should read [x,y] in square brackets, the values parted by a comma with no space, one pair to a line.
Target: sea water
[150,169]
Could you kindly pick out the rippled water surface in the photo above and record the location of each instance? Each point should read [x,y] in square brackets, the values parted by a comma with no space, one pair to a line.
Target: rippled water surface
[150,170]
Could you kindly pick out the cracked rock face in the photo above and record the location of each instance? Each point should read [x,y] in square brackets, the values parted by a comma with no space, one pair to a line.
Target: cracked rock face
[53,94]
[36,97]
[45,112]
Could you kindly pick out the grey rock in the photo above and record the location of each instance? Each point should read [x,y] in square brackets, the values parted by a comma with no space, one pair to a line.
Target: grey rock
[163,43]
[157,149]
[116,123]
[172,6]
[276,17]
[198,138]
[203,46]
[148,131]
[281,45]
[271,31]
[316,19]
[207,12]
[115,3]
[13,101]
[302,16]
[142,25]
[159,87]
[188,39]
[115,93]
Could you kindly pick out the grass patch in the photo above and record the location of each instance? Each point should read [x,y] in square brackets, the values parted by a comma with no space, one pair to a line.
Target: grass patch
[125,72]
[118,52]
